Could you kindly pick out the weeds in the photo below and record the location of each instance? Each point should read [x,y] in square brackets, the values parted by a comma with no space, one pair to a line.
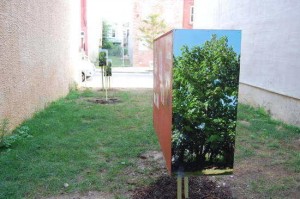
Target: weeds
[6,140]
[3,131]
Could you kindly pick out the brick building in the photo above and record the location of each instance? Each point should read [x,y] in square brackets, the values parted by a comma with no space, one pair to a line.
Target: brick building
[84,27]
[188,14]
[169,10]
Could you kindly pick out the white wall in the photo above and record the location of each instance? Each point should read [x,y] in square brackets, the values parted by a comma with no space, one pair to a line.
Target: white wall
[94,28]
[270,60]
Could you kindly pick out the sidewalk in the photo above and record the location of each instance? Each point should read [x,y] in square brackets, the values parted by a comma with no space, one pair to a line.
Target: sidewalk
[132,69]
[124,77]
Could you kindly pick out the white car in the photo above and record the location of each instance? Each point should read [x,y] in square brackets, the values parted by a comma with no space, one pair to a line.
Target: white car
[87,68]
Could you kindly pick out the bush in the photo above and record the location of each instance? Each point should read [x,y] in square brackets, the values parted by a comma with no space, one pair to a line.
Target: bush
[19,134]
[108,69]
[205,90]
[3,132]
[102,58]
[125,51]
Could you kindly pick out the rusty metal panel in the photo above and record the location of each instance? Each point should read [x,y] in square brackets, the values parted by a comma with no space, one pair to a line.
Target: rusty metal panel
[162,96]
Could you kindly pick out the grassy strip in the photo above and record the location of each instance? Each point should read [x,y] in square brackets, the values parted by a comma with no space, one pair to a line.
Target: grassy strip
[267,155]
[77,142]
[118,61]
[90,146]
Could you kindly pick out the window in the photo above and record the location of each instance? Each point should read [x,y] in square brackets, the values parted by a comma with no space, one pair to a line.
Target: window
[113,33]
[192,15]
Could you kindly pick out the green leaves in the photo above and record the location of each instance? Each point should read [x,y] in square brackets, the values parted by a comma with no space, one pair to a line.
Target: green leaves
[106,43]
[102,58]
[19,134]
[151,28]
[205,90]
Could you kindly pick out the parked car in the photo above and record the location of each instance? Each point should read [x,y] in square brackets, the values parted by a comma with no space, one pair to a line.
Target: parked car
[87,68]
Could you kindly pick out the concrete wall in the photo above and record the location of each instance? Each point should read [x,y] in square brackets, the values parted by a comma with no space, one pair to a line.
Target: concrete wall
[270,68]
[40,45]
[169,10]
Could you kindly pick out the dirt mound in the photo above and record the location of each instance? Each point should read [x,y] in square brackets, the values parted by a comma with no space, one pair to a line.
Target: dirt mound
[88,195]
[199,187]
[104,101]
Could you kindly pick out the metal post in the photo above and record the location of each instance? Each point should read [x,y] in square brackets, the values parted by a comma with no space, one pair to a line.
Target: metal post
[123,56]
[102,77]
[179,188]
[106,83]
[186,187]
[109,82]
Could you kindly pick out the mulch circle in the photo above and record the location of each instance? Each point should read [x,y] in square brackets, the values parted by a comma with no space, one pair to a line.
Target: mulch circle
[199,188]
[104,101]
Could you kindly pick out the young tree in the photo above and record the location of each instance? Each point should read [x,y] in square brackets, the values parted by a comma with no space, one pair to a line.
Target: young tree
[151,28]
[106,44]
[205,89]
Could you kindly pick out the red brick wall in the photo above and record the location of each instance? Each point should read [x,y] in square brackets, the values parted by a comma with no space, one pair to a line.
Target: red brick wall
[187,14]
[170,10]
[84,43]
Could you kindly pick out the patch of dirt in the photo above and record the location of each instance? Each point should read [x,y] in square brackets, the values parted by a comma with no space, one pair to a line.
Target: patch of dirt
[244,123]
[153,159]
[238,185]
[88,195]
[104,101]
[199,187]
[165,186]
[150,165]
[247,172]
[296,143]
[293,145]
[279,127]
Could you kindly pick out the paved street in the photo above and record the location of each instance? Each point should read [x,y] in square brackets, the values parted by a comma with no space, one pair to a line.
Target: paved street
[130,77]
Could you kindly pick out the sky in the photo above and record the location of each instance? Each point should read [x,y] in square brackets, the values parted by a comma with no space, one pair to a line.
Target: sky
[195,37]
[114,10]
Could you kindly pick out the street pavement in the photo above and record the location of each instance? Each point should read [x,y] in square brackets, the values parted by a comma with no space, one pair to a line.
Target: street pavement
[124,77]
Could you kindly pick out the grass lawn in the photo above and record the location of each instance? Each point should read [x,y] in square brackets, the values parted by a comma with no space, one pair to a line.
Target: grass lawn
[83,144]
[267,158]
[95,147]
[118,61]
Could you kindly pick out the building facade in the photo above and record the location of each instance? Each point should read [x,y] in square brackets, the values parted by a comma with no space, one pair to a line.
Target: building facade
[94,29]
[270,50]
[84,29]
[188,14]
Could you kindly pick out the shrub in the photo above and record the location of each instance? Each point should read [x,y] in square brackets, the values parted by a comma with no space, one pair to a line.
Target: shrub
[205,90]
[102,58]
[108,68]
[19,134]
[3,131]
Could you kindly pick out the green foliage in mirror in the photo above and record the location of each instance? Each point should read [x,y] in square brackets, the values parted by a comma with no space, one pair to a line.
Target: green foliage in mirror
[102,58]
[205,91]
[108,69]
